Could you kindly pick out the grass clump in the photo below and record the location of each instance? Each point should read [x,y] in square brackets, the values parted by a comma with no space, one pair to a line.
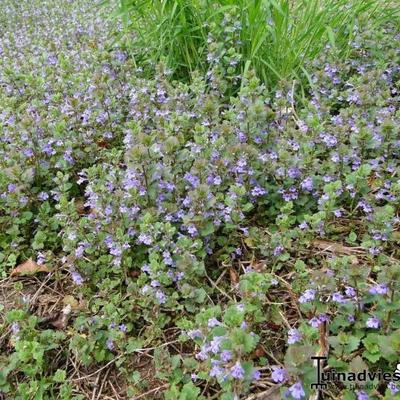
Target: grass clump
[273,37]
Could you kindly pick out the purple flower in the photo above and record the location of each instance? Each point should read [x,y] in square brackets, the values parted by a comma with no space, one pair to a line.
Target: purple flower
[237,371]
[15,328]
[379,289]
[297,391]
[77,278]
[226,355]
[393,388]
[216,371]
[307,184]
[110,344]
[351,318]
[194,377]
[278,250]
[329,140]
[315,322]
[79,251]
[255,375]
[323,317]
[361,395]
[350,291]
[279,375]
[258,191]
[307,296]
[193,180]
[145,239]
[41,258]
[216,343]
[337,213]
[195,333]
[43,196]
[192,230]
[28,152]
[212,322]
[161,297]
[294,336]
[123,328]
[294,172]
[303,225]
[373,323]
[202,355]
[374,250]
[339,298]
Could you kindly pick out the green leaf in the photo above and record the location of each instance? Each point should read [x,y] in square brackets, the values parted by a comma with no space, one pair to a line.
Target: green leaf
[59,376]
[352,344]
[189,392]
[352,237]
[371,343]
[133,345]
[357,364]
[208,229]
[373,357]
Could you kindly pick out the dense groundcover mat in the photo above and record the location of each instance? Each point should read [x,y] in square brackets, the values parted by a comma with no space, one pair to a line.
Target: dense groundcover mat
[183,240]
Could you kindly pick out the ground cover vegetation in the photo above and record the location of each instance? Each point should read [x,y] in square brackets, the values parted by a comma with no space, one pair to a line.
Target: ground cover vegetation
[197,197]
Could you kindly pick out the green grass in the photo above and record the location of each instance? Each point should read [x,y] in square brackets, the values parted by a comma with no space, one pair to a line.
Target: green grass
[277,36]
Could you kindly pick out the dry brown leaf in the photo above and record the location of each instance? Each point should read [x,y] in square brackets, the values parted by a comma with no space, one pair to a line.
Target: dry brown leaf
[29,267]
[258,266]
[334,247]
[271,394]
[80,206]
[249,243]
[234,276]
[71,301]
[103,144]
[60,320]
[258,352]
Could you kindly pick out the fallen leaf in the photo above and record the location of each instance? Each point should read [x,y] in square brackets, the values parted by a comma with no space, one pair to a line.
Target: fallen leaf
[234,277]
[70,300]
[134,274]
[258,352]
[60,320]
[371,181]
[334,247]
[273,326]
[103,144]
[80,206]
[29,267]
[271,394]
[249,242]
[258,266]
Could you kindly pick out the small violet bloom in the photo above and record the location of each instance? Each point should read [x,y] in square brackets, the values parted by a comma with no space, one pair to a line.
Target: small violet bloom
[255,375]
[373,323]
[379,289]
[294,336]
[393,388]
[361,395]
[77,278]
[307,296]
[279,375]
[297,391]
[237,371]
